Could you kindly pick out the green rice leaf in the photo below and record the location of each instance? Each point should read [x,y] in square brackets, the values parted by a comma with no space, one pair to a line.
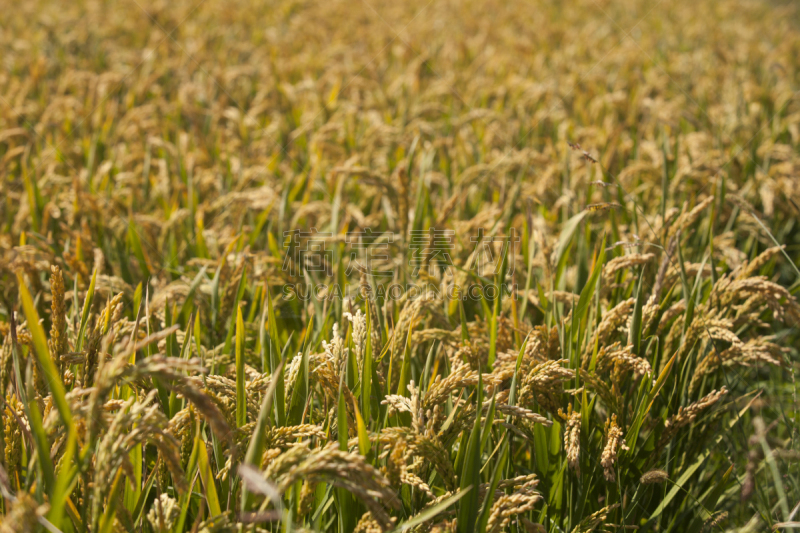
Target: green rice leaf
[241,400]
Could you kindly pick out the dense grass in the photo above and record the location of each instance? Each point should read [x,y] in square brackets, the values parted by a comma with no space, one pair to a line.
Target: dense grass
[579,313]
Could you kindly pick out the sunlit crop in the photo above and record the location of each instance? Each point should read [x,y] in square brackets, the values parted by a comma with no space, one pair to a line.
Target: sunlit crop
[378,266]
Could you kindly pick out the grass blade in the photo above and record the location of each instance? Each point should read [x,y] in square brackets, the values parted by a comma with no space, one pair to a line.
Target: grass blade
[470,473]
[241,400]
[300,388]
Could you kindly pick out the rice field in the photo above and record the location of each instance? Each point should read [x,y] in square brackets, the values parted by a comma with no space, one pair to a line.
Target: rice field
[429,266]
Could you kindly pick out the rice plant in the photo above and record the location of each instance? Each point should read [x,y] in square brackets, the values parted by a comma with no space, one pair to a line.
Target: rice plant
[379,266]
